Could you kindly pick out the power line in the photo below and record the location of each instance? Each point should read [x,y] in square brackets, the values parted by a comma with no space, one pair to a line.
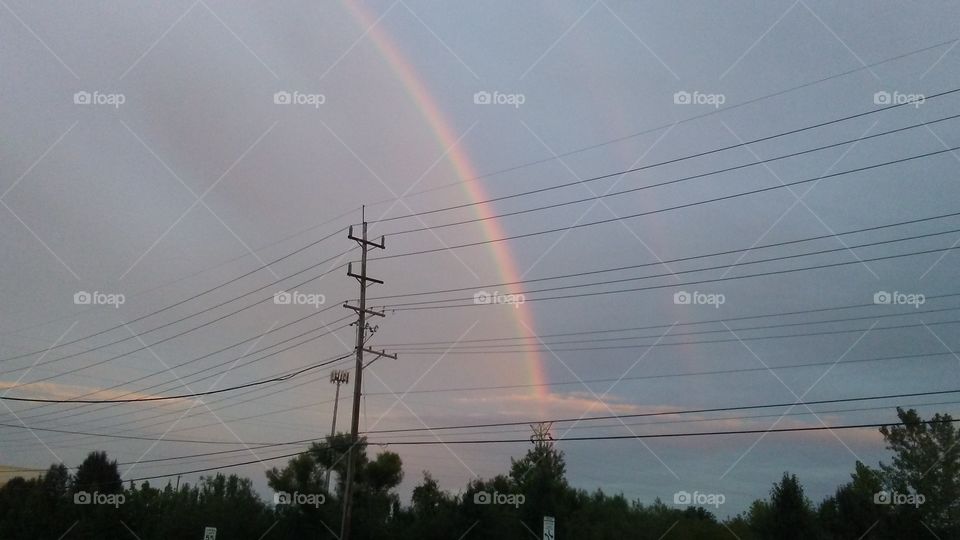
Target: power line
[180,396]
[199,412]
[765,316]
[662,413]
[660,262]
[585,438]
[781,185]
[665,375]
[179,334]
[701,420]
[547,348]
[677,160]
[671,325]
[539,339]
[181,302]
[193,414]
[697,323]
[207,355]
[188,276]
[670,125]
[430,304]
[61,416]
[762,337]
[664,435]
[258,445]
[629,378]
[556,420]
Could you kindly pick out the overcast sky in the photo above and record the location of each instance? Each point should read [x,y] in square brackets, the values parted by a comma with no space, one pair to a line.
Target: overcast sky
[149,152]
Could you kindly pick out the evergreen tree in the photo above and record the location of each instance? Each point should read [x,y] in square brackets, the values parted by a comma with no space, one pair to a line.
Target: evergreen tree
[926,463]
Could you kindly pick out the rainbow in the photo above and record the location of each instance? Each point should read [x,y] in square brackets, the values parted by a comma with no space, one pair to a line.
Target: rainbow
[460,160]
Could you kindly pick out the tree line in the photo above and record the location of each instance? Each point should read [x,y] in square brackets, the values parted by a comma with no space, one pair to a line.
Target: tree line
[915,494]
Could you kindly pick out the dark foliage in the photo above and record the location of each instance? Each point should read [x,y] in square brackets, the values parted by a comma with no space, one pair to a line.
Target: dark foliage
[913,496]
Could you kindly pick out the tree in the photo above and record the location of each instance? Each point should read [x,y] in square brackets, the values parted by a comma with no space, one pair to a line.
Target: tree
[373,498]
[433,514]
[427,497]
[541,476]
[926,463]
[383,473]
[96,477]
[97,473]
[851,512]
[787,516]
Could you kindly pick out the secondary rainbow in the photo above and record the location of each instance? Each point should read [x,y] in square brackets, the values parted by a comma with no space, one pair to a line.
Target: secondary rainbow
[460,160]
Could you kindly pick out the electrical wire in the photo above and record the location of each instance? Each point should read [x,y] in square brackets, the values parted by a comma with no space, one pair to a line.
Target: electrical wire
[429,304]
[648,131]
[179,396]
[660,262]
[181,302]
[631,170]
[781,185]
[566,439]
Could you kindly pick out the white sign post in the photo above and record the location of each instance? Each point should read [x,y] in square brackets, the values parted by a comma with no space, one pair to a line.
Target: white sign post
[549,524]
[210,533]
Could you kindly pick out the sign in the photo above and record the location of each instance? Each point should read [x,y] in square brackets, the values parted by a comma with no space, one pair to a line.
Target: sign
[548,528]
[210,533]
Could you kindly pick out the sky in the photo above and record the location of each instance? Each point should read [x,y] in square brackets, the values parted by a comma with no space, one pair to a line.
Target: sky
[186,161]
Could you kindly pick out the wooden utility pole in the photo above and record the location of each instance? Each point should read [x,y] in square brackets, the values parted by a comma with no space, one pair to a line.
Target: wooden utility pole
[362,313]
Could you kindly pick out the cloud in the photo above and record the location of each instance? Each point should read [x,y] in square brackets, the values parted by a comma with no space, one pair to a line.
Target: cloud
[572,403]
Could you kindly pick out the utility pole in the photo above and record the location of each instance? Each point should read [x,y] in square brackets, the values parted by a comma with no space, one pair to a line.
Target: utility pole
[338,377]
[362,313]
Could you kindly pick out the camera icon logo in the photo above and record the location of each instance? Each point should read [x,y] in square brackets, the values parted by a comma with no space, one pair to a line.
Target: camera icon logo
[282,298]
[482,297]
[282,98]
[882,497]
[82,298]
[281,497]
[682,298]
[882,297]
[882,98]
[82,98]
[481,497]
[482,98]
[682,497]
[682,98]
[81,497]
